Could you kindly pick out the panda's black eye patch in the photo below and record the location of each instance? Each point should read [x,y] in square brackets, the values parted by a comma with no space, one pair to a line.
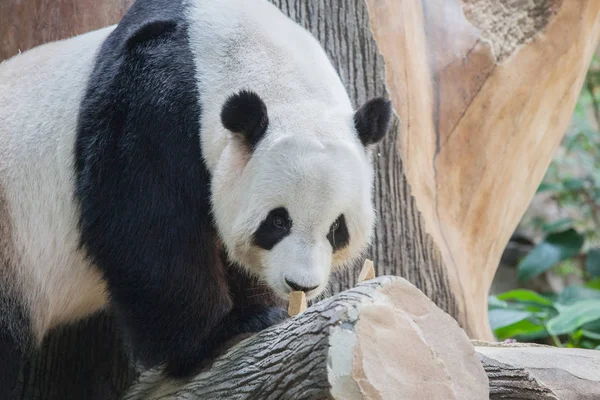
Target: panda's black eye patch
[273,229]
[338,235]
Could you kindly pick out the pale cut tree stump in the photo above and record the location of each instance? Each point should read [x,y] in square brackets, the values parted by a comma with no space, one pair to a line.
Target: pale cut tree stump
[383,339]
[485,90]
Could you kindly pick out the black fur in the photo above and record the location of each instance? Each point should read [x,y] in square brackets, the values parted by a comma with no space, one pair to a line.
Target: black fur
[269,233]
[338,235]
[246,114]
[372,120]
[15,340]
[150,30]
[144,193]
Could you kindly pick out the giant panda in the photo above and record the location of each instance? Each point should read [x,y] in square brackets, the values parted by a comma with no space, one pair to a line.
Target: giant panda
[160,166]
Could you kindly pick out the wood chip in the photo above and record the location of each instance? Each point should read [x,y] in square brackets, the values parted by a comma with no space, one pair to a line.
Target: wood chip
[367,272]
[297,303]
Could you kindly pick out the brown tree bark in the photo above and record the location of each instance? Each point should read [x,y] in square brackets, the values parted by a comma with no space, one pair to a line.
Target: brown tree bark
[28,23]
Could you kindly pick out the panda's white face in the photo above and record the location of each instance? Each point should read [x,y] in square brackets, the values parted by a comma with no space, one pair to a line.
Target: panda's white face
[298,204]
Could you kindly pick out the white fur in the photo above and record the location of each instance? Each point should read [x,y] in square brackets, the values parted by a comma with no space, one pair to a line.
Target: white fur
[310,161]
[40,92]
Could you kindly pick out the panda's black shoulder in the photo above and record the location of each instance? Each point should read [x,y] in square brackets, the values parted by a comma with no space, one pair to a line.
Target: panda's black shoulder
[143,67]
[137,149]
[142,83]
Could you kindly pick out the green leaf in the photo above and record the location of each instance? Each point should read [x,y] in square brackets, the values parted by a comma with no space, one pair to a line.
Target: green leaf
[592,326]
[588,344]
[572,294]
[494,302]
[553,187]
[574,184]
[501,317]
[597,194]
[571,317]
[592,262]
[561,224]
[524,330]
[593,284]
[590,334]
[555,248]
[525,296]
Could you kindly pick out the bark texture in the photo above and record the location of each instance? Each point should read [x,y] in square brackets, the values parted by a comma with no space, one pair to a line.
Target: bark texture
[485,90]
[345,347]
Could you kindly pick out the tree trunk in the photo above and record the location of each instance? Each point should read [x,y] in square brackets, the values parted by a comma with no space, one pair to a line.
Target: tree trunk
[28,23]
[485,90]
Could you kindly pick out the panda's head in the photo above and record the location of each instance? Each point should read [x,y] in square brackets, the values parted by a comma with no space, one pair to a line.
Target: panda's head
[292,191]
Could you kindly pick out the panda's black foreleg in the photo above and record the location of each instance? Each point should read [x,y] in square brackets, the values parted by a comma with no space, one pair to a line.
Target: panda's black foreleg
[239,321]
[16,341]
[173,299]
[11,355]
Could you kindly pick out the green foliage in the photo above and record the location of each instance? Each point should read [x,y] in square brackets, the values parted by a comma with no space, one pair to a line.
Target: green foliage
[556,247]
[569,244]
[571,319]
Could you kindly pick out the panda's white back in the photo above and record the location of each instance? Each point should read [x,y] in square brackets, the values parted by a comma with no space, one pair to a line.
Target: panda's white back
[40,94]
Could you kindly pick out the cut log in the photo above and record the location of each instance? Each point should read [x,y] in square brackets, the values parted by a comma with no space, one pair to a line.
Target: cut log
[383,339]
[531,372]
[485,90]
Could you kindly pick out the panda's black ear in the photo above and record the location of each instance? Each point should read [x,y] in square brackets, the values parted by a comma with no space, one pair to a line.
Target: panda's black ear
[150,30]
[372,120]
[245,114]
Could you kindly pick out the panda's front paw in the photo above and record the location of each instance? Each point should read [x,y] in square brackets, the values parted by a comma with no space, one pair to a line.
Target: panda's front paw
[258,317]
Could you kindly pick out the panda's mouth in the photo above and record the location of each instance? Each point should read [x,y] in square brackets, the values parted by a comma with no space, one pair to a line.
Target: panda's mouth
[310,292]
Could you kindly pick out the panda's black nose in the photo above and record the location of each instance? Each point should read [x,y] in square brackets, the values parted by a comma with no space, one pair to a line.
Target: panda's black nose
[299,288]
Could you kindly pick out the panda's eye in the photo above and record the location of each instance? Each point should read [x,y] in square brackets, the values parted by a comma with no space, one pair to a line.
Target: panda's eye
[273,229]
[335,225]
[279,222]
[338,235]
